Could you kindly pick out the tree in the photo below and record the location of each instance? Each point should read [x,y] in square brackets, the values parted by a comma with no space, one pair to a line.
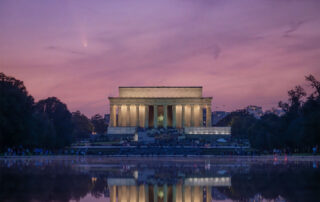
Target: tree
[311,113]
[295,97]
[46,124]
[44,132]
[58,113]
[99,124]
[240,121]
[314,83]
[15,112]
[82,125]
[265,133]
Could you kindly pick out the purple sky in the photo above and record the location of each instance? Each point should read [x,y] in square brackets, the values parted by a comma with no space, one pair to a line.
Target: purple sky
[241,52]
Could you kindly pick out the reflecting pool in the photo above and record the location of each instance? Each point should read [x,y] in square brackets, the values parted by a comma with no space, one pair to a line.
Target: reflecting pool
[159,179]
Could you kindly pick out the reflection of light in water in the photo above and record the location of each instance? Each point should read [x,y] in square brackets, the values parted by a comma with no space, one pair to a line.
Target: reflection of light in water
[135,174]
[177,192]
[221,172]
[208,181]
[93,179]
[160,194]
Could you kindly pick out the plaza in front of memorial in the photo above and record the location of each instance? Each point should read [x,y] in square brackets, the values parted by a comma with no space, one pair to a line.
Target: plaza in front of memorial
[160,120]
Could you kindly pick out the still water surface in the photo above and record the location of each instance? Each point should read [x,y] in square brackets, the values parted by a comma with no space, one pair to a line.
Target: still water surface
[158,179]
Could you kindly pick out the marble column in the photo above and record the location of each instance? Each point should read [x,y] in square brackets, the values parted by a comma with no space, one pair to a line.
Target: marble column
[183,192]
[133,192]
[174,116]
[115,115]
[201,116]
[187,193]
[115,121]
[208,191]
[146,188]
[128,115]
[142,193]
[113,193]
[137,194]
[155,193]
[119,116]
[146,115]
[123,193]
[197,194]
[208,117]
[155,116]
[137,116]
[174,193]
[183,117]
[111,119]
[165,116]
[165,191]
[179,193]
[192,116]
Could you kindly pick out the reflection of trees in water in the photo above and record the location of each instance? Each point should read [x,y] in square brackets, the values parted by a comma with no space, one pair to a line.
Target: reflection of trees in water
[291,183]
[64,182]
[99,186]
[43,183]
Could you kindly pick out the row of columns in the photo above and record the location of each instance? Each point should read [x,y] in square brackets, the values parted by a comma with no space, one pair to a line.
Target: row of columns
[180,193]
[126,120]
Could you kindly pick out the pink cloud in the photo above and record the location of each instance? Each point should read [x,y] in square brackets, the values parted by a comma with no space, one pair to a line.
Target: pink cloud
[248,52]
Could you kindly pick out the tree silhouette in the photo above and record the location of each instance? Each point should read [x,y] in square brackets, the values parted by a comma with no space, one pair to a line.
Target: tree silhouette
[99,124]
[16,107]
[82,125]
[58,113]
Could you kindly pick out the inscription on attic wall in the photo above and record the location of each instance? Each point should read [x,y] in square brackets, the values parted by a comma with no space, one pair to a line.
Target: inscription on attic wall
[145,92]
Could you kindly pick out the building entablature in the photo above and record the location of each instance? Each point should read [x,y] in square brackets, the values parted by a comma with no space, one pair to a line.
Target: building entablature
[160,91]
[160,101]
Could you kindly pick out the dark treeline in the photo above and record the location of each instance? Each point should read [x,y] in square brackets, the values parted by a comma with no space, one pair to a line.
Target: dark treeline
[298,130]
[47,123]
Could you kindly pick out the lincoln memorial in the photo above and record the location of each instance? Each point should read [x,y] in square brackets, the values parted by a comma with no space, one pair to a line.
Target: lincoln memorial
[153,107]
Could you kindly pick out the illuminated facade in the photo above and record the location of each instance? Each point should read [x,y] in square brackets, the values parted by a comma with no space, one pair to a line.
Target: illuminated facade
[153,107]
[189,190]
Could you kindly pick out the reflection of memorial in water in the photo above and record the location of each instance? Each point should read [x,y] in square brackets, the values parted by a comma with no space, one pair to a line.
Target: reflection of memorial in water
[193,189]
[160,181]
[78,180]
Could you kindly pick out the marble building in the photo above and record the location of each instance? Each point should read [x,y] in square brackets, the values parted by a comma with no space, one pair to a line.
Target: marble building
[160,106]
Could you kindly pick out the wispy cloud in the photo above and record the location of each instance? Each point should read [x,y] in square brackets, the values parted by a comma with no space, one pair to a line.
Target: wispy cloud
[294,26]
[63,50]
